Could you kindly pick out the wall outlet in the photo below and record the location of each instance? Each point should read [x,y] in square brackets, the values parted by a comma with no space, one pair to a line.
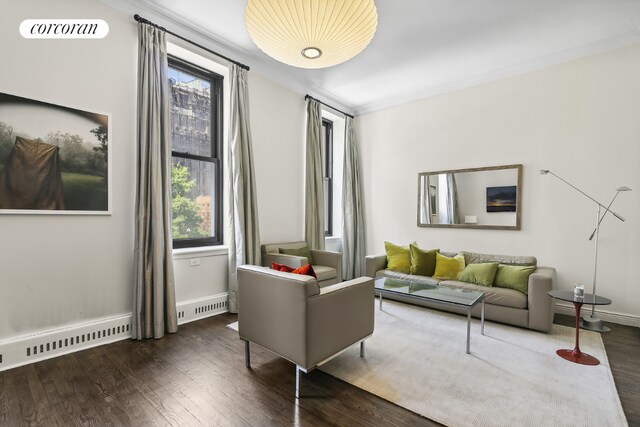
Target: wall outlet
[470,219]
[194,261]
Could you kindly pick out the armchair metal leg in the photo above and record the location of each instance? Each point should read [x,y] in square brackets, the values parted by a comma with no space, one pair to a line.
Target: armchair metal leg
[247,354]
[298,370]
[361,348]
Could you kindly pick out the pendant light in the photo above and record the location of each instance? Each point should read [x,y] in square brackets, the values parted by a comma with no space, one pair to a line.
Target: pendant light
[311,33]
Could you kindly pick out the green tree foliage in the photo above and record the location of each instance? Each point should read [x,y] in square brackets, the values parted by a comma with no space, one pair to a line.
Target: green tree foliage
[186,218]
[6,142]
[103,149]
[76,155]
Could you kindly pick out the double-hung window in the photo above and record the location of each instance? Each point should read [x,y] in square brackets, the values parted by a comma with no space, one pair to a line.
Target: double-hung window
[196,166]
[327,175]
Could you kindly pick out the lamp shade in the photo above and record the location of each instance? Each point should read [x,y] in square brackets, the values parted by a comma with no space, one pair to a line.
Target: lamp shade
[311,33]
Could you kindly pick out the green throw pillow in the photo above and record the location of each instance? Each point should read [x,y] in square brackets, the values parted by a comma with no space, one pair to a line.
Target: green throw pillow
[398,258]
[514,277]
[448,268]
[479,273]
[423,263]
[303,251]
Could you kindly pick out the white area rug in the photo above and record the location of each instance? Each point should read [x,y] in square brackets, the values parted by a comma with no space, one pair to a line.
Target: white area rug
[416,359]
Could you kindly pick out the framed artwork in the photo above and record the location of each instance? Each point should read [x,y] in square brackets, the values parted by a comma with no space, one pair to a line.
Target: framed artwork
[502,199]
[54,159]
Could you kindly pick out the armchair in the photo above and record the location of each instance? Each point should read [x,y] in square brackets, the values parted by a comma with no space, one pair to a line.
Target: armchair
[326,264]
[290,315]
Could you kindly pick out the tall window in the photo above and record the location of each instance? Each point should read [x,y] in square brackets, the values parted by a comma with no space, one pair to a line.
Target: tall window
[327,174]
[196,142]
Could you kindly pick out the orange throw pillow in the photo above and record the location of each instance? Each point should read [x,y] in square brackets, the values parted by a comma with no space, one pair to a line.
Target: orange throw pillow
[281,267]
[306,269]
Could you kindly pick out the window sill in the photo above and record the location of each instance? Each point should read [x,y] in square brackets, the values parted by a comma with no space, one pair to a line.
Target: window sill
[333,239]
[185,253]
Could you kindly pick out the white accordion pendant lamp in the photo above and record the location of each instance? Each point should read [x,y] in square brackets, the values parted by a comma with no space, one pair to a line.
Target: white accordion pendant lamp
[311,33]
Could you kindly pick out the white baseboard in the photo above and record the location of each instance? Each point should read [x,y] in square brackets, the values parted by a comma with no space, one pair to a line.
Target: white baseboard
[31,348]
[200,308]
[607,316]
[44,345]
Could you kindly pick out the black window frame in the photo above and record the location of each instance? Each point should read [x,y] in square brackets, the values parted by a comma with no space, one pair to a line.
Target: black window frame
[327,173]
[216,82]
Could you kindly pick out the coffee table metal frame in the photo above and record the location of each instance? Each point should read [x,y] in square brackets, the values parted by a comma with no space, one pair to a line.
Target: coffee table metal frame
[480,299]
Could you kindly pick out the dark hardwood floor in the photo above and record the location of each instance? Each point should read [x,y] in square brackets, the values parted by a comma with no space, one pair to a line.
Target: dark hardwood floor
[197,377]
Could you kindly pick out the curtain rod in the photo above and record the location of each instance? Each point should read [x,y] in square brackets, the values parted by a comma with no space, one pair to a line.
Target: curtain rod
[142,20]
[327,105]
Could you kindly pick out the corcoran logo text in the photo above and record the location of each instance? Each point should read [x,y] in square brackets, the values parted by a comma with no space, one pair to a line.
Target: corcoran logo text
[64,29]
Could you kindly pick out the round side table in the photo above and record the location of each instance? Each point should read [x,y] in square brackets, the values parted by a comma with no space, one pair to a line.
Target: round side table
[576,355]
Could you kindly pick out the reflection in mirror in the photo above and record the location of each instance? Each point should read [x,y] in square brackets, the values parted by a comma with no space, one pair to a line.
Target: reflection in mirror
[471,198]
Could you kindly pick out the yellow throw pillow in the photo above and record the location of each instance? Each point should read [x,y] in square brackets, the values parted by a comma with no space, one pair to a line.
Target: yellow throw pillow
[448,268]
[398,258]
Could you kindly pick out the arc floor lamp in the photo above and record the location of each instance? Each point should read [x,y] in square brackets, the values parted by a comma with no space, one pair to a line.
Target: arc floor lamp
[590,321]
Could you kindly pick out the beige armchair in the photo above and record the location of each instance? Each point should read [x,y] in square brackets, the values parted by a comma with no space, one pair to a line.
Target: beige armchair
[326,264]
[290,315]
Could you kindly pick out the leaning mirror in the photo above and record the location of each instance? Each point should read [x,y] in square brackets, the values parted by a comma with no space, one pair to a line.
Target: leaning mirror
[489,197]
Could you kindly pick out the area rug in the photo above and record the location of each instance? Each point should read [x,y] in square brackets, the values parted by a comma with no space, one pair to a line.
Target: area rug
[416,359]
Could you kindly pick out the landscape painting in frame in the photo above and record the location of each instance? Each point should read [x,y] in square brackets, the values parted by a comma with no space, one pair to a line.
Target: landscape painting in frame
[501,199]
[53,159]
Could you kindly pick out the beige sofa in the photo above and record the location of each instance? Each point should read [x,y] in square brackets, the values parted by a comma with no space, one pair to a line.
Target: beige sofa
[326,264]
[533,311]
[293,317]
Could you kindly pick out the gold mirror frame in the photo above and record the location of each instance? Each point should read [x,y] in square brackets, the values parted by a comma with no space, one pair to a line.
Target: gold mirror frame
[518,212]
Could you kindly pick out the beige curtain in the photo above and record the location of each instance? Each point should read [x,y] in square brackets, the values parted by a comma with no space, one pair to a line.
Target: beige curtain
[452,200]
[154,302]
[353,241]
[244,239]
[314,186]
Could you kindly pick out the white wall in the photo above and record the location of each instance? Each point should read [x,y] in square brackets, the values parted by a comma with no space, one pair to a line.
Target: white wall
[61,270]
[579,119]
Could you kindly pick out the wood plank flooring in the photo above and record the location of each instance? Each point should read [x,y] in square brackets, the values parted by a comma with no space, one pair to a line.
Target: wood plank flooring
[197,377]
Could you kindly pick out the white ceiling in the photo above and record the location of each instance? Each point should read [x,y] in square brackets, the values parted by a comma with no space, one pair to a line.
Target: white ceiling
[421,47]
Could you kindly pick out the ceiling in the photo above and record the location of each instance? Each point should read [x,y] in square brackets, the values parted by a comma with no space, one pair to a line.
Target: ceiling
[421,47]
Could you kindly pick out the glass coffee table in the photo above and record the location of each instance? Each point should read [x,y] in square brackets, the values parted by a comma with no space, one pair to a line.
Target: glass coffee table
[433,293]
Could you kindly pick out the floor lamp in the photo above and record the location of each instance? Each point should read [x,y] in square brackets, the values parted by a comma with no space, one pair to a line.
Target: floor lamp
[590,321]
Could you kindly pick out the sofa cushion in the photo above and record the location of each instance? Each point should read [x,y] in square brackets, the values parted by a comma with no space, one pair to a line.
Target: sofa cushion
[473,258]
[324,273]
[497,296]
[423,262]
[414,278]
[398,258]
[448,268]
[481,273]
[514,277]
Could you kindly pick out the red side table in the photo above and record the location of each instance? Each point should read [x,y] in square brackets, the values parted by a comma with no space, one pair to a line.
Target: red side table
[576,355]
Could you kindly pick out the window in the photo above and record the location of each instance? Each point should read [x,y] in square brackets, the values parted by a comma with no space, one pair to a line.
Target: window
[196,150]
[327,175]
